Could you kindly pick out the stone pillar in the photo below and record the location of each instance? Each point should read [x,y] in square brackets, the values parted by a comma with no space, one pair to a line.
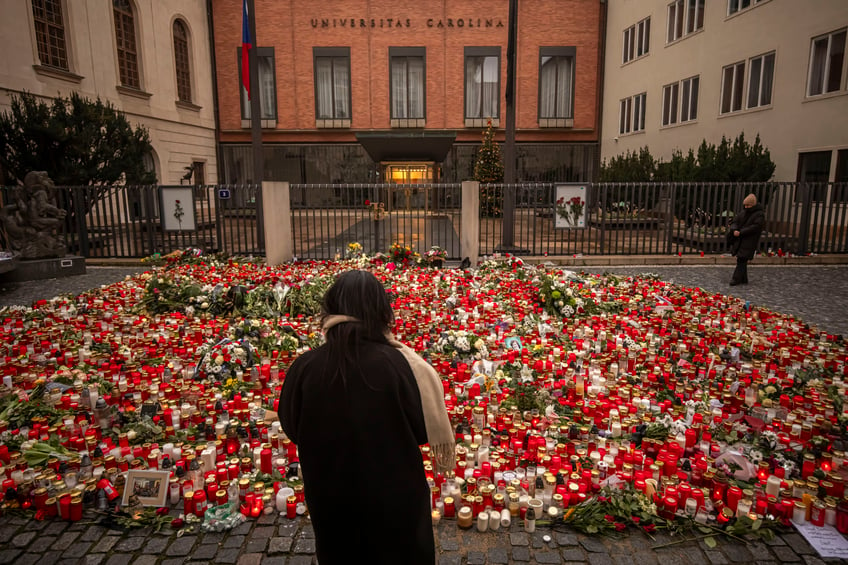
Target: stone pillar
[469,236]
[276,205]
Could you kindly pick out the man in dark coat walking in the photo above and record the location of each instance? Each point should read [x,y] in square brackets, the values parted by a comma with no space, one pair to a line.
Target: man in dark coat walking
[744,237]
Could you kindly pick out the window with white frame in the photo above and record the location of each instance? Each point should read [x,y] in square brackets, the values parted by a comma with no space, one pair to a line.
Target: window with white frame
[760,80]
[407,82]
[556,82]
[827,56]
[267,85]
[684,17]
[732,87]
[734,6]
[332,82]
[759,87]
[637,40]
[680,101]
[632,114]
[482,82]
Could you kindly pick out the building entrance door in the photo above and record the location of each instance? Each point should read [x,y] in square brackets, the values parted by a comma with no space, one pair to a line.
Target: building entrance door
[408,173]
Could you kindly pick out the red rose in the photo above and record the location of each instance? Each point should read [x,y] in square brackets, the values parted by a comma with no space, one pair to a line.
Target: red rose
[368,203]
[649,528]
[620,527]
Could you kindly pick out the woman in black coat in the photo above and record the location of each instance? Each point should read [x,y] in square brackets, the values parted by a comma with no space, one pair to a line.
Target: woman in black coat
[354,410]
[745,231]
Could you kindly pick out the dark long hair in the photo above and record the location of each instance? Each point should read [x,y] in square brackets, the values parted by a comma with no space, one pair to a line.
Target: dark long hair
[360,295]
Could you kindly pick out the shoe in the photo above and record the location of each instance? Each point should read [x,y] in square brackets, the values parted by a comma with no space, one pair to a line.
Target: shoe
[734,283]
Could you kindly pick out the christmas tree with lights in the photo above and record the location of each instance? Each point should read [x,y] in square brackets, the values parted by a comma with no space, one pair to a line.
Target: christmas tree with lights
[489,169]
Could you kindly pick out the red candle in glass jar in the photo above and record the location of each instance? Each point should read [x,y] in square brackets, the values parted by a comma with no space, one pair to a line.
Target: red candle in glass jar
[817,513]
[698,495]
[265,461]
[291,507]
[65,506]
[200,502]
[75,509]
[809,466]
[188,502]
[734,495]
[669,506]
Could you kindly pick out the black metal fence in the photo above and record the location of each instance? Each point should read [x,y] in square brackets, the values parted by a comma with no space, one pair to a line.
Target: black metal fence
[619,218]
[328,217]
[128,221]
[670,218]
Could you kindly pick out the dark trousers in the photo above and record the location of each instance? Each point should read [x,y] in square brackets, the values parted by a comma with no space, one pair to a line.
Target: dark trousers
[740,274]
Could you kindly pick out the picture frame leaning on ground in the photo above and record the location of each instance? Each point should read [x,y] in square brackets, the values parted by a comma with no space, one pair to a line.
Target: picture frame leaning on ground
[151,487]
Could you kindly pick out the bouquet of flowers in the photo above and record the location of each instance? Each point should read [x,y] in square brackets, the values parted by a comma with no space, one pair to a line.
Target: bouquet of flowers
[224,359]
[401,253]
[570,210]
[558,298]
[354,250]
[461,342]
[434,256]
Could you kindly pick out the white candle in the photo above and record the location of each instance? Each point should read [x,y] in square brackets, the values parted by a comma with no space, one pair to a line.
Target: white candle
[506,518]
[616,429]
[174,493]
[494,520]
[482,521]
[773,485]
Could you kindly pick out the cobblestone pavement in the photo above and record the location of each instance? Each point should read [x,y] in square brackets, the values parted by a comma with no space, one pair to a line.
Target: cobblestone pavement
[274,540]
[815,294]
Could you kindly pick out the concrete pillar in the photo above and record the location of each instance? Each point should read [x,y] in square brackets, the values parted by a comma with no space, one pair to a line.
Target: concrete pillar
[469,227]
[276,204]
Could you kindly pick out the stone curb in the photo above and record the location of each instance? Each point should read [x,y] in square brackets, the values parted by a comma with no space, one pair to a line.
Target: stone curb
[601,260]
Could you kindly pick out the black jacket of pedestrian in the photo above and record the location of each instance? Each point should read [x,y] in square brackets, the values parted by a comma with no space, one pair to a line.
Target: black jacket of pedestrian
[358,440]
[749,222]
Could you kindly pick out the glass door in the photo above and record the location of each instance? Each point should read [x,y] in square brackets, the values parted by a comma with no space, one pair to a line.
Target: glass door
[406,173]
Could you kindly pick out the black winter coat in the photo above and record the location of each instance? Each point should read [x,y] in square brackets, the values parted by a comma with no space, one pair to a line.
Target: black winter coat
[750,223]
[358,439]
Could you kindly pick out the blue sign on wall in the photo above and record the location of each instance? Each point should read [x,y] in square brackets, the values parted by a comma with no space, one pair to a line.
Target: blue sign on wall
[223,193]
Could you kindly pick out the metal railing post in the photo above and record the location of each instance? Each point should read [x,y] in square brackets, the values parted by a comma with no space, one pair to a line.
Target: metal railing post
[806,215]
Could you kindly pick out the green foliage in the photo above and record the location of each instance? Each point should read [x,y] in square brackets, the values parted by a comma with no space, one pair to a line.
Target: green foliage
[489,169]
[630,167]
[736,161]
[77,141]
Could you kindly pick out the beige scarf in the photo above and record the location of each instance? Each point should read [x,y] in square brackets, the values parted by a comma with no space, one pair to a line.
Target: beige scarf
[440,434]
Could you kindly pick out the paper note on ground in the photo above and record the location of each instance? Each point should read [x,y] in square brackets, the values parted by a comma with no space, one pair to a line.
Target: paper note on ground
[825,539]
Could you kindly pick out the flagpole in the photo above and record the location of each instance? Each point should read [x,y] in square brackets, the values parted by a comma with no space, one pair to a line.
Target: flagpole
[256,123]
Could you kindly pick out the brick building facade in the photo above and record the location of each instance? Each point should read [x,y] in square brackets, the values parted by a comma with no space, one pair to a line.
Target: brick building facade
[373,90]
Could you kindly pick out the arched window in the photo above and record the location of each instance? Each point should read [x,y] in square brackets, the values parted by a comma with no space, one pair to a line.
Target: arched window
[181,61]
[50,33]
[125,40]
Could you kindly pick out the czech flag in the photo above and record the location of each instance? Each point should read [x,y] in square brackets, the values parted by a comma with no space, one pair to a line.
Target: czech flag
[246,44]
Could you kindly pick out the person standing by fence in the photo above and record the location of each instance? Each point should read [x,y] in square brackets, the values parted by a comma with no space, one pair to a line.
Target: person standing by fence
[744,237]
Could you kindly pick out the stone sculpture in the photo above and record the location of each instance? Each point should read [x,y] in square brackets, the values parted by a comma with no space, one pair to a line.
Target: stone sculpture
[32,218]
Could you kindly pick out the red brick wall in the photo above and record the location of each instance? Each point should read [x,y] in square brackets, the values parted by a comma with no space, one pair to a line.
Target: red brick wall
[287,26]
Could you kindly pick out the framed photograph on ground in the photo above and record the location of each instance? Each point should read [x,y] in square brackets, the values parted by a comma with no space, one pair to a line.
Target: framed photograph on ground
[151,487]
[570,206]
[177,206]
[513,343]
